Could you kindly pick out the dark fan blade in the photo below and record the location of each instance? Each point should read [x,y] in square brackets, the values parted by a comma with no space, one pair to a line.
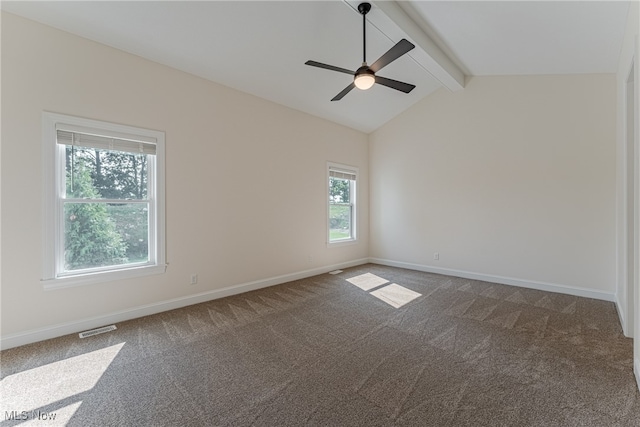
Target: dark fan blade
[394,84]
[345,91]
[329,67]
[402,47]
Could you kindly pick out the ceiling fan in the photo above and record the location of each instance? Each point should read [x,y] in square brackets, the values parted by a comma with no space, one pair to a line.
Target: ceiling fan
[365,76]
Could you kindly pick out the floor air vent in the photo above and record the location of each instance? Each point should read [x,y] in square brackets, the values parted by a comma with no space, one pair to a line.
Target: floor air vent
[97,331]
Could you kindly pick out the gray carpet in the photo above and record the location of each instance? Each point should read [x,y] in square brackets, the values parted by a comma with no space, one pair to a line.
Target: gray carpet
[345,349]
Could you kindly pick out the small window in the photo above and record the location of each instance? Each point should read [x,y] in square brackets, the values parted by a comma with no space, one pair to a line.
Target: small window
[104,201]
[342,203]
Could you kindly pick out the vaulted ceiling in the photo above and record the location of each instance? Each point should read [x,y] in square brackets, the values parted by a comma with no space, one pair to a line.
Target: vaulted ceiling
[260,47]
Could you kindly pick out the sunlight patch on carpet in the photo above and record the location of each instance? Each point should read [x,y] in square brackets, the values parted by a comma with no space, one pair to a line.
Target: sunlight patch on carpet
[367,281]
[39,387]
[395,295]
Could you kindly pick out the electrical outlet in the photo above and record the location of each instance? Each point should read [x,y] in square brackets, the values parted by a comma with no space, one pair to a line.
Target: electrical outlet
[194,279]
[436,256]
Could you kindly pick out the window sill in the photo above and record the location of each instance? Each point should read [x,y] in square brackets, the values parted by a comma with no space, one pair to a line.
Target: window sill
[345,242]
[102,276]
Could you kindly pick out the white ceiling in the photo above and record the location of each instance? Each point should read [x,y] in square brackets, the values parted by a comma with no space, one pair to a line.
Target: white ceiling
[260,47]
[529,37]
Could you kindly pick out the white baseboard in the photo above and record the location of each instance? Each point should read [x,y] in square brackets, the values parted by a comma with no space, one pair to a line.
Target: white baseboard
[622,316]
[636,371]
[58,330]
[531,284]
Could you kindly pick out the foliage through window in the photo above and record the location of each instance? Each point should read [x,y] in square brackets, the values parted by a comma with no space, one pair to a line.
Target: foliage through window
[342,193]
[107,209]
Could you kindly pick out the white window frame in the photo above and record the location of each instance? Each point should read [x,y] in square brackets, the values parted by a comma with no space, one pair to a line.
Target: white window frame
[353,196]
[53,276]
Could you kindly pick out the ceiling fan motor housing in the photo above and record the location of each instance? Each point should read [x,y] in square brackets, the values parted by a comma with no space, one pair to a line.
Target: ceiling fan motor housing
[364,70]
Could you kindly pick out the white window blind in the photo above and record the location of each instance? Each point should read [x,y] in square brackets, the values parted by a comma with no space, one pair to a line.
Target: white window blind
[342,174]
[105,142]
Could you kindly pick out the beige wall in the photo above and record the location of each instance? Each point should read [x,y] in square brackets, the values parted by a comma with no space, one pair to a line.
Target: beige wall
[511,179]
[245,178]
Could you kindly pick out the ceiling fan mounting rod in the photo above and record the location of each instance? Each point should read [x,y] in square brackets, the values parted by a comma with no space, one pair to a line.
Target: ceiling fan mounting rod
[364,8]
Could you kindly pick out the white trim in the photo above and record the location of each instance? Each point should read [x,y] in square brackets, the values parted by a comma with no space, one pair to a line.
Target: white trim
[531,284]
[624,237]
[635,316]
[354,201]
[58,330]
[53,188]
[101,277]
[49,184]
[621,314]
[343,242]
[61,329]
[630,236]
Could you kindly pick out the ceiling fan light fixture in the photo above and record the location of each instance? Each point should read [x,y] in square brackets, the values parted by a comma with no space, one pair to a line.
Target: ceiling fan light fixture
[364,78]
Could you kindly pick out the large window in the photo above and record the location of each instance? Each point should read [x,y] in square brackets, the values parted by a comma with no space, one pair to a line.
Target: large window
[104,205]
[342,203]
